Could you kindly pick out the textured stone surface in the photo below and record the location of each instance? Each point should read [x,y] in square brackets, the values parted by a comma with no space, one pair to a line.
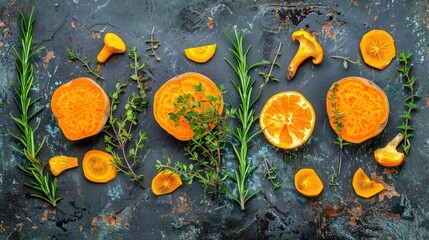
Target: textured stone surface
[119,210]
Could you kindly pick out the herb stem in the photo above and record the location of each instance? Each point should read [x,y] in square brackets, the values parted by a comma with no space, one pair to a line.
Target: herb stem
[85,63]
[410,104]
[245,114]
[35,168]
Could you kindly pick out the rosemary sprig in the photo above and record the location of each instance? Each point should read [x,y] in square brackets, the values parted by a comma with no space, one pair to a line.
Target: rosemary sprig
[206,146]
[338,124]
[73,56]
[117,140]
[410,104]
[267,76]
[271,173]
[153,46]
[348,59]
[246,116]
[46,187]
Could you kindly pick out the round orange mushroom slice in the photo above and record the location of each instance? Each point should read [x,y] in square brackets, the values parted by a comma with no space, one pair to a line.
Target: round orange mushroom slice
[308,47]
[98,167]
[112,44]
[377,48]
[388,156]
[308,183]
[165,182]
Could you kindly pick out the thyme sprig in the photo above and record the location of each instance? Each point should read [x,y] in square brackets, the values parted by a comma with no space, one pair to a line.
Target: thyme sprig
[347,60]
[45,187]
[73,56]
[207,145]
[271,173]
[246,116]
[410,105]
[267,76]
[338,116]
[153,45]
[332,181]
[119,131]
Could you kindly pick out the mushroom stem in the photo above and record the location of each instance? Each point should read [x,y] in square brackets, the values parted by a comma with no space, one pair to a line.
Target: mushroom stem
[296,61]
[104,54]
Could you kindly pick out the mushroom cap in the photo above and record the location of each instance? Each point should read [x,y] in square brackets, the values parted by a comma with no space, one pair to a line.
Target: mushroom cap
[114,43]
[309,44]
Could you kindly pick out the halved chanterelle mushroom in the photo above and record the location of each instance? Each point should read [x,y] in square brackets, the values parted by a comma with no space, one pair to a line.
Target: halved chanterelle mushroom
[389,156]
[308,47]
[112,44]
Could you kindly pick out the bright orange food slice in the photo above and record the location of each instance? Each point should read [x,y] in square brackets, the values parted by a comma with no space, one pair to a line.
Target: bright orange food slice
[201,54]
[81,108]
[364,106]
[364,186]
[98,167]
[287,119]
[167,94]
[377,48]
[165,182]
[308,183]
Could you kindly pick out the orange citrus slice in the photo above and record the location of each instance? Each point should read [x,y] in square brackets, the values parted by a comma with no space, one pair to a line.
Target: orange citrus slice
[201,54]
[287,119]
[98,167]
[170,91]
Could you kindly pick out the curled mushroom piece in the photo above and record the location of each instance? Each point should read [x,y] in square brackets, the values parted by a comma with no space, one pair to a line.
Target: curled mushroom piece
[389,156]
[112,44]
[308,47]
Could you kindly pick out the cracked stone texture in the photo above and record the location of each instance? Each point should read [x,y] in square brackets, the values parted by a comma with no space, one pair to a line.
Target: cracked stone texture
[119,210]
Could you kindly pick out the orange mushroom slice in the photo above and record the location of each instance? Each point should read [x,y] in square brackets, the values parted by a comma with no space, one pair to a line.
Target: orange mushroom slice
[389,156]
[98,167]
[58,164]
[377,48]
[308,183]
[308,47]
[112,44]
[165,182]
[364,186]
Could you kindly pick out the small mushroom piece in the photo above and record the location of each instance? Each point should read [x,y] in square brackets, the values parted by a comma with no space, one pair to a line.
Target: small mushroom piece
[308,47]
[112,44]
[389,156]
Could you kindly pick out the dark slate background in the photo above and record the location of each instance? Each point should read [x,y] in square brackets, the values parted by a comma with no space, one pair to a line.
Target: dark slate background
[120,210]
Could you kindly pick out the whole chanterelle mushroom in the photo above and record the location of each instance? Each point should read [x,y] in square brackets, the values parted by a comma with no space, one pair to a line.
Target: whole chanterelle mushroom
[308,47]
[112,44]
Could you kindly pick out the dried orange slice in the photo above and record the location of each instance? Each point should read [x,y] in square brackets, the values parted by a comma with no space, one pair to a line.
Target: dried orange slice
[363,105]
[201,54]
[308,183]
[287,119]
[364,186]
[98,167]
[167,95]
[81,108]
[377,48]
